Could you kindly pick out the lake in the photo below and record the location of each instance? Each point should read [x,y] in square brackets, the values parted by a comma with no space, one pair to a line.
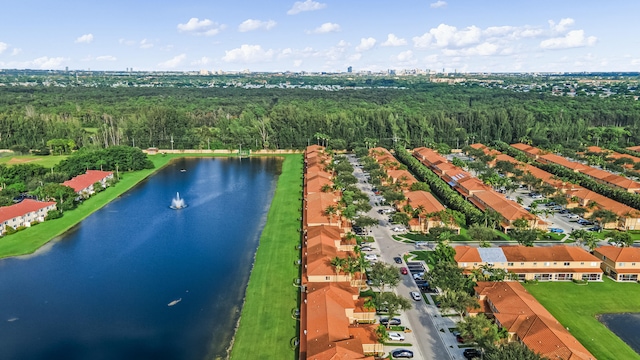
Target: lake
[102,290]
[626,326]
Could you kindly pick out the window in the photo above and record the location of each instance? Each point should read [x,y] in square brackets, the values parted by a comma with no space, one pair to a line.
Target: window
[593,263]
[521,264]
[567,264]
[621,264]
[591,277]
[582,263]
[546,264]
[464,264]
[555,263]
[327,278]
[509,264]
[628,277]
[633,264]
[535,264]
[564,277]
[522,277]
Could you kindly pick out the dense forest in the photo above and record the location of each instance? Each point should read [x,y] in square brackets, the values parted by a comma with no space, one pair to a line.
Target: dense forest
[426,114]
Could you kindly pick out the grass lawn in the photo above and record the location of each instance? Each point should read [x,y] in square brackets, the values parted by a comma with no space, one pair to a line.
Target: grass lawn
[576,307]
[266,323]
[46,161]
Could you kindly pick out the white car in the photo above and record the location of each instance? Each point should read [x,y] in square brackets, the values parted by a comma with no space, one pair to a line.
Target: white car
[397,229]
[418,276]
[416,296]
[396,336]
[371,257]
[573,216]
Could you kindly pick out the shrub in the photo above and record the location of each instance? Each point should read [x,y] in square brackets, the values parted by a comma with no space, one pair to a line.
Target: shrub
[53,214]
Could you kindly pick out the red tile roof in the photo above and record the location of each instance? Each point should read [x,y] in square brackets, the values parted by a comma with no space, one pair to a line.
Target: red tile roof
[22,208]
[516,253]
[620,254]
[519,312]
[83,181]
[467,254]
[424,198]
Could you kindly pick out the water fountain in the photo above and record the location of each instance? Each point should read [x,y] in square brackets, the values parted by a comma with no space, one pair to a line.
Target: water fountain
[177,203]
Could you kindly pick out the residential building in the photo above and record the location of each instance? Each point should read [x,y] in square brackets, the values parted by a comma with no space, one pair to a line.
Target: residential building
[619,263]
[24,213]
[513,308]
[628,217]
[429,205]
[83,184]
[552,263]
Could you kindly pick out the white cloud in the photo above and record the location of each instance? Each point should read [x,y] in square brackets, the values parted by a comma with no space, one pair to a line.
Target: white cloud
[127,42]
[85,39]
[438,4]
[145,44]
[308,5]
[561,26]
[366,44]
[447,35]
[16,51]
[405,56]
[203,27]
[251,24]
[3,47]
[484,49]
[393,40]
[202,61]
[106,58]
[173,62]
[355,57]
[248,54]
[573,39]
[325,28]
[46,62]
[297,63]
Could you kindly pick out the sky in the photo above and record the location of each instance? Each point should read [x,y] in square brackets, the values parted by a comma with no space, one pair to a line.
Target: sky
[322,35]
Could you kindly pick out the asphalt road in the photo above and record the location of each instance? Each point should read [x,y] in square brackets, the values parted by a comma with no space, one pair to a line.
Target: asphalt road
[426,339]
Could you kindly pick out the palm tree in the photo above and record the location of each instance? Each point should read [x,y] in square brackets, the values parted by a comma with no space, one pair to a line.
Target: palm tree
[330,211]
[338,264]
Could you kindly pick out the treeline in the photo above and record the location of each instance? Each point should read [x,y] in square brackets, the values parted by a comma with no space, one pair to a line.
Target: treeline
[35,181]
[428,114]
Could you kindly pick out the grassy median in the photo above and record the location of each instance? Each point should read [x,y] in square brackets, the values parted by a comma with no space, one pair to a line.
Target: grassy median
[266,324]
[576,307]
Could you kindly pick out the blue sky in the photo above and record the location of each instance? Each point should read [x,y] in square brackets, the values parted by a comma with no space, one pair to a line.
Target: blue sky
[322,35]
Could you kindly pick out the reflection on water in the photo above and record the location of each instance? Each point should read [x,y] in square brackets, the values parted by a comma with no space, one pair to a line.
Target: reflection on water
[102,290]
[626,326]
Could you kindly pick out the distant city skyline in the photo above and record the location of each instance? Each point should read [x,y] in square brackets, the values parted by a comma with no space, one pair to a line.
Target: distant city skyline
[316,36]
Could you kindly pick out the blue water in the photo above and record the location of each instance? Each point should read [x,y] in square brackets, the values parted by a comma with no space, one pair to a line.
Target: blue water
[626,326]
[101,291]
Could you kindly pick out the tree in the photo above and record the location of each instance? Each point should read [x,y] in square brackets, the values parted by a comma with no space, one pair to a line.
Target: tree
[481,233]
[419,186]
[604,216]
[443,252]
[511,351]
[525,237]
[331,211]
[480,331]
[394,303]
[381,333]
[458,301]
[383,275]
[621,238]
[338,264]
[585,238]
[365,221]
[448,277]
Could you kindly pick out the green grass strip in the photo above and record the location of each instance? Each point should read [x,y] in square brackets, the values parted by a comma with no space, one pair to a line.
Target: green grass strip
[576,306]
[266,325]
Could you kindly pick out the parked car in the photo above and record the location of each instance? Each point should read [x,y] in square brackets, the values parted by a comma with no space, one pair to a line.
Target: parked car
[556,230]
[371,257]
[594,228]
[418,276]
[573,217]
[584,222]
[404,271]
[394,321]
[398,260]
[397,229]
[366,248]
[416,296]
[396,336]
[471,354]
[402,354]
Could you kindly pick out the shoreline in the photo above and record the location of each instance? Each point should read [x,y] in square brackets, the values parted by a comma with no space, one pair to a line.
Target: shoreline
[29,241]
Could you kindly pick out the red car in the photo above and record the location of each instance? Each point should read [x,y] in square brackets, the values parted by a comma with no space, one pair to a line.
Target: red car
[404,271]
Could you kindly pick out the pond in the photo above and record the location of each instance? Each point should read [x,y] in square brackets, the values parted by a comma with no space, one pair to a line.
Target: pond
[626,326]
[103,290]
